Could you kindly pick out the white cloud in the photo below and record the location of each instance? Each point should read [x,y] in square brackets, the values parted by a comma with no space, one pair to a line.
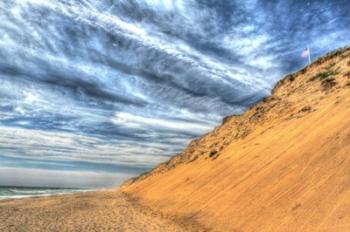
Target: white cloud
[245,45]
[62,146]
[31,97]
[67,179]
[165,4]
[131,120]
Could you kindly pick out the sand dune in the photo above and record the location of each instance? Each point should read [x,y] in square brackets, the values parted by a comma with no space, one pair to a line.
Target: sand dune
[284,165]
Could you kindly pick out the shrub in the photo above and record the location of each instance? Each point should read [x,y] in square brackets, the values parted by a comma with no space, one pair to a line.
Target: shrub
[328,83]
[330,66]
[289,77]
[303,71]
[213,153]
[306,109]
[323,75]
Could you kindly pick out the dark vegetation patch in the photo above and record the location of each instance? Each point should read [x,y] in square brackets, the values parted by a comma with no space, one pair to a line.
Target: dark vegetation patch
[323,75]
[347,74]
[306,109]
[259,112]
[303,71]
[213,154]
[328,83]
[291,78]
[329,66]
[326,78]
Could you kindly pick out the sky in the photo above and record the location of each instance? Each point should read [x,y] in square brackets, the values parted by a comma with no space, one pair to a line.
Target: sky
[95,91]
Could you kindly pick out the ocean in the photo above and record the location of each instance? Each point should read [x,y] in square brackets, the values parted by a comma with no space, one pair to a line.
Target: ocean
[23,192]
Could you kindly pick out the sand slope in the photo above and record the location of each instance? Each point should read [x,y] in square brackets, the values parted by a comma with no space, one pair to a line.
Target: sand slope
[284,165]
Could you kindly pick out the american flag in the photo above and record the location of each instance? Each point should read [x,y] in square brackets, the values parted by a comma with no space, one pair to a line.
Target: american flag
[305,53]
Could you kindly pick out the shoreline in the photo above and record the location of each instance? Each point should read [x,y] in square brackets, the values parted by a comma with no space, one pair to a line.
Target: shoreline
[63,193]
[44,195]
[106,210]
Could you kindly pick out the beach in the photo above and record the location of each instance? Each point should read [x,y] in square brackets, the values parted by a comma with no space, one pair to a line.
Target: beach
[92,211]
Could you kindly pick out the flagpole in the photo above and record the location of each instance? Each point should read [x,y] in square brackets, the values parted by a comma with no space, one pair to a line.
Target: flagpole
[309,55]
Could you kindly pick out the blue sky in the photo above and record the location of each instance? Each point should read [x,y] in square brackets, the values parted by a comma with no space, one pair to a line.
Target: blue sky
[103,90]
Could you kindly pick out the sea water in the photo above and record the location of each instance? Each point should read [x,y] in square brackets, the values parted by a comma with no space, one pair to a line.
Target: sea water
[23,192]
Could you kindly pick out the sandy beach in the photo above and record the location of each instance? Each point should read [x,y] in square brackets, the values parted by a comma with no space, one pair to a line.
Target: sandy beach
[93,211]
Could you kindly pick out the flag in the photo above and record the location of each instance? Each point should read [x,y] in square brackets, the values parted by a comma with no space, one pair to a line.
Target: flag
[306,53]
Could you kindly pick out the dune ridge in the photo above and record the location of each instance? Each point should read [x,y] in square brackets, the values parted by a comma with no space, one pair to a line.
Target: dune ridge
[283,165]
